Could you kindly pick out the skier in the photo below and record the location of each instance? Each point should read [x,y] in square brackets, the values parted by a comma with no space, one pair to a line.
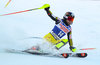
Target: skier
[61,28]
[54,37]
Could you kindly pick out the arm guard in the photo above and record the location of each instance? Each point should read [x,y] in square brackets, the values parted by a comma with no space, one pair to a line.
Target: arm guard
[56,19]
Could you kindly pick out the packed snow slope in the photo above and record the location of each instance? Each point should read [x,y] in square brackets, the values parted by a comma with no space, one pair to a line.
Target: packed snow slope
[16,31]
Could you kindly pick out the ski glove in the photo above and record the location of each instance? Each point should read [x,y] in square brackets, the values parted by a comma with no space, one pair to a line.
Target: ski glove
[73,49]
[47,8]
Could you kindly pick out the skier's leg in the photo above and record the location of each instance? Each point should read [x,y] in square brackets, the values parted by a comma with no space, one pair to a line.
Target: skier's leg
[50,44]
[62,43]
[57,43]
[49,38]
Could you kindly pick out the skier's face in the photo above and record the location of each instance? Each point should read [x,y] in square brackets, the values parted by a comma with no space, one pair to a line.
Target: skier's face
[69,22]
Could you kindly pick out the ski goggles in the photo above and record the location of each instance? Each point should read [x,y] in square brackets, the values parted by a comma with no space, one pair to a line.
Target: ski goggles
[69,18]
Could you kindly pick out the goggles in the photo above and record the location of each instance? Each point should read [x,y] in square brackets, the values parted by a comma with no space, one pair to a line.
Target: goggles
[69,18]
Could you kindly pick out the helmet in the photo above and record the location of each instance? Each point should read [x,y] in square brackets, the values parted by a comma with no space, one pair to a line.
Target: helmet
[69,16]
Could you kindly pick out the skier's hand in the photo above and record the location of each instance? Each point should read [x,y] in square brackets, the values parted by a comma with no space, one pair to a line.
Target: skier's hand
[47,8]
[73,49]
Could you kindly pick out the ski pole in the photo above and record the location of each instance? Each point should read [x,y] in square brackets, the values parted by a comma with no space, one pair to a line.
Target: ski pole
[44,6]
[7,3]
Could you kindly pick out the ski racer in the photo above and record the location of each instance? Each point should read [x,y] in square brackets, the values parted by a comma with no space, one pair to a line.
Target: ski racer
[61,28]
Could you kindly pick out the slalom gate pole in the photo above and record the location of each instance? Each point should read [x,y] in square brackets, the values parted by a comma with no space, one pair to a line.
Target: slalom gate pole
[44,6]
[87,49]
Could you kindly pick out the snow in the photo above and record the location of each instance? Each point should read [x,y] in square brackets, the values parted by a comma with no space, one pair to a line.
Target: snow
[16,30]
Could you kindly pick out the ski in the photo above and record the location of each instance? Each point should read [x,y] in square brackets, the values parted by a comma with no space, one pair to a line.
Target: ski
[35,52]
[80,55]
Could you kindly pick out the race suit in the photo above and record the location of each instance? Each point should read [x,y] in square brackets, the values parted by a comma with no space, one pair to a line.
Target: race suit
[59,30]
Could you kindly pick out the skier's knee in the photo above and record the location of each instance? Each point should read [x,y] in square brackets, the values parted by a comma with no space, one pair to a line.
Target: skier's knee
[61,43]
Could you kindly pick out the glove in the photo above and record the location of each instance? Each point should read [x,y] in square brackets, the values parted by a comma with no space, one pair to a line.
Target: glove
[73,49]
[47,8]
